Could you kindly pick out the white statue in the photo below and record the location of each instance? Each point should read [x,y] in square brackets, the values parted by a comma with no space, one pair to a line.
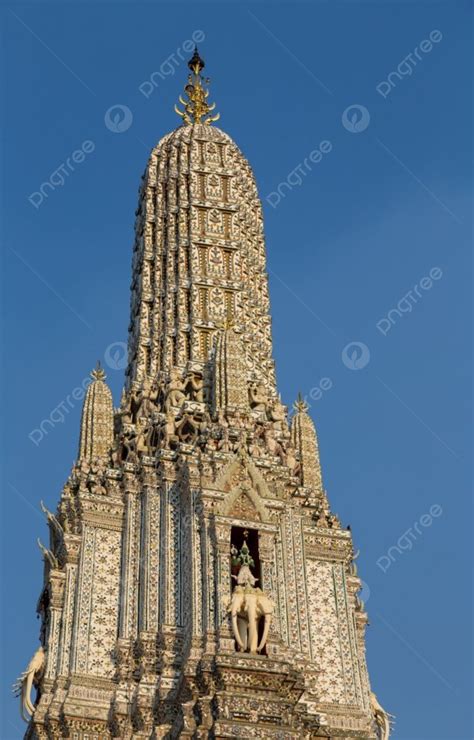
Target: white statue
[22,687]
[247,606]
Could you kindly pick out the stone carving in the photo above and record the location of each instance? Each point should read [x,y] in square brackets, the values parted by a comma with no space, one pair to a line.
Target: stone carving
[248,604]
[194,386]
[150,397]
[168,431]
[258,395]
[22,687]
[48,555]
[52,521]
[274,447]
[175,395]
[127,448]
[277,415]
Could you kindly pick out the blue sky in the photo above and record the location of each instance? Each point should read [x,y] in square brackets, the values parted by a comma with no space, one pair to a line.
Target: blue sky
[357,238]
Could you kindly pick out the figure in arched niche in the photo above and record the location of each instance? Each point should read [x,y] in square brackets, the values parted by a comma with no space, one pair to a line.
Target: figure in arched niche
[248,603]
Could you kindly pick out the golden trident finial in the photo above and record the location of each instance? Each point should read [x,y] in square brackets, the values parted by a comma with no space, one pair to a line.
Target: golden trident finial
[196,107]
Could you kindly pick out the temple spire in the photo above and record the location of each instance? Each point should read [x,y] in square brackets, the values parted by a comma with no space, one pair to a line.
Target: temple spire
[97,422]
[196,107]
[305,440]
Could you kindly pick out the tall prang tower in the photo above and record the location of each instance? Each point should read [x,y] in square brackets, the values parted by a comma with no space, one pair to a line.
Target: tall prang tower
[196,582]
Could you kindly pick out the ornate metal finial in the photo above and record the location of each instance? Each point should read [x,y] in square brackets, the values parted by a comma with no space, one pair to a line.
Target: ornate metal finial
[196,64]
[300,404]
[196,107]
[98,373]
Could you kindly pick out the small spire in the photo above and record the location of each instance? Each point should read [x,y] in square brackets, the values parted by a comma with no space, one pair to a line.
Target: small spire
[305,440]
[98,372]
[97,420]
[196,107]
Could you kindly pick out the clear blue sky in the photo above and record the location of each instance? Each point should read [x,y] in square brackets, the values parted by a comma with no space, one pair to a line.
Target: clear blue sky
[368,222]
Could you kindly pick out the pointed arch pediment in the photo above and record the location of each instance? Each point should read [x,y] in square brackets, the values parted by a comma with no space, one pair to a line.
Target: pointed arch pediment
[245,490]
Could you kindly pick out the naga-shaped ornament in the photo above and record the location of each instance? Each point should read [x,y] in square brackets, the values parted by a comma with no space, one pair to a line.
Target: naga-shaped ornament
[382,718]
[23,685]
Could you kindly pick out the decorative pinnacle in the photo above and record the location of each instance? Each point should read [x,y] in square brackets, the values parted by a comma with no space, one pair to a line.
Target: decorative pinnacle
[300,404]
[196,107]
[98,373]
[196,64]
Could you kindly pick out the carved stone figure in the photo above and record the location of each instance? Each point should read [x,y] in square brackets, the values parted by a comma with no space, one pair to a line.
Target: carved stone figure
[195,386]
[168,431]
[152,438]
[247,606]
[175,395]
[273,446]
[277,415]
[189,721]
[258,397]
[135,403]
[224,442]
[128,447]
[96,484]
[149,404]
[144,437]
[291,460]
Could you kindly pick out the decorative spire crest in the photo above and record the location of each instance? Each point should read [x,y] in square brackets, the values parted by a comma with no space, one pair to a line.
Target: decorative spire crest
[98,372]
[196,107]
[300,404]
